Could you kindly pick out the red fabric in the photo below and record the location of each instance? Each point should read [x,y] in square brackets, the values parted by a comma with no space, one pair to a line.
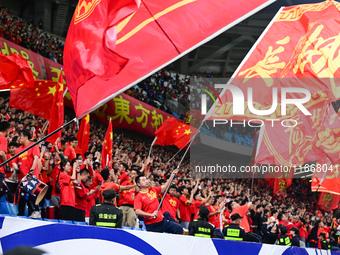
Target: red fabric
[67,194]
[325,230]
[95,57]
[81,195]
[127,197]
[194,208]
[15,72]
[170,204]
[107,146]
[57,111]
[43,177]
[36,100]
[83,136]
[105,186]
[328,201]
[95,182]
[3,147]
[124,177]
[213,219]
[242,211]
[148,202]
[175,133]
[184,208]
[26,160]
[53,179]
[91,201]
[70,153]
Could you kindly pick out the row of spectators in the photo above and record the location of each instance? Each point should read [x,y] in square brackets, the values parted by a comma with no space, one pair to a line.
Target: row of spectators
[29,36]
[262,213]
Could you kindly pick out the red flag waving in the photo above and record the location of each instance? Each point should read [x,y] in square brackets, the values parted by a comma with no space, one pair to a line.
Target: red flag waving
[83,136]
[84,58]
[107,146]
[36,100]
[174,27]
[57,111]
[175,133]
[328,201]
[15,72]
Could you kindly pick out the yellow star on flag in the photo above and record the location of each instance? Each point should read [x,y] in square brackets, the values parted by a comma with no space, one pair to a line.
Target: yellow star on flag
[52,90]
[187,132]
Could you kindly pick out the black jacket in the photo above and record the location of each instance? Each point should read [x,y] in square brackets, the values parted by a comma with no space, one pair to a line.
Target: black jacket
[201,228]
[295,241]
[106,215]
[233,232]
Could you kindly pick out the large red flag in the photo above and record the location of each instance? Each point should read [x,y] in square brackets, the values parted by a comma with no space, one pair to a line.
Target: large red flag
[328,201]
[15,72]
[158,33]
[36,100]
[83,136]
[57,111]
[299,49]
[107,146]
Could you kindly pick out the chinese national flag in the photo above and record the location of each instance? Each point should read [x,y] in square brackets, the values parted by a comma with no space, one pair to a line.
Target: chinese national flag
[328,201]
[15,72]
[280,180]
[299,49]
[83,136]
[175,133]
[36,100]
[107,146]
[154,35]
[57,111]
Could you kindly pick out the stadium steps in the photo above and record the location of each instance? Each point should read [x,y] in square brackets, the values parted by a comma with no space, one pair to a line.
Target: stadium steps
[60,20]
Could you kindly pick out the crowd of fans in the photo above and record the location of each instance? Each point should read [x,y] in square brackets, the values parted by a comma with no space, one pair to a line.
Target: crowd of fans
[264,216]
[29,36]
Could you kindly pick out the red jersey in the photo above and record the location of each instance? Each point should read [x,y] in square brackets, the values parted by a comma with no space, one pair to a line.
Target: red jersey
[124,177]
[91,201]
[70,153]
[81,196]
[3,147]
[242,211]
[213,219]
[194,208]
[26,160]
[325,230]
[105,186]
[53,179]
[148,202]
[67,195]
[127,197]
[184,208]
[170,204]
[95,182]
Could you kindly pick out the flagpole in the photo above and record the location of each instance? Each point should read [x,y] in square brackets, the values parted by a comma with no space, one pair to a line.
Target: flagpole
[178,152]
[37,142]
[185,153]
[154,140]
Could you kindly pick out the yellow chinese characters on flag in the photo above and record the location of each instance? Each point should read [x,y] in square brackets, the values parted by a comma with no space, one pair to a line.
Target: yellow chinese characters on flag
[299,49]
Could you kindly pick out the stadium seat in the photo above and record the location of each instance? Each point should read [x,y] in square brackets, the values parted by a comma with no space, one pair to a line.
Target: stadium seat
[4,208]
[22,217]
[123,227]
[142,225]
[51,220]
[4,215]
[13,209]
[79,223]
[66,221]
[47,202]
[3,199]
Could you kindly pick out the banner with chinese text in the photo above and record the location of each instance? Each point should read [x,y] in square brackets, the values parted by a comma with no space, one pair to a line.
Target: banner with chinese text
[42,68]
[299,49]
[128,113]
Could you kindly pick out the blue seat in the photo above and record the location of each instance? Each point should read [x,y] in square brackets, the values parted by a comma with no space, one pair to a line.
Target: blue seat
[4,215]
[80,223]
[47,202]
[14,209]
[3,199]
[22,217]
[123,227]
[51,220]
[4,208]
[142,225]
[66,221]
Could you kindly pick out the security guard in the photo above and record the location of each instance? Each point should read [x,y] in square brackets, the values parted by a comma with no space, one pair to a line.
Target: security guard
[324,244]
[201,227]
[107,214]
[284,239]
[234,231]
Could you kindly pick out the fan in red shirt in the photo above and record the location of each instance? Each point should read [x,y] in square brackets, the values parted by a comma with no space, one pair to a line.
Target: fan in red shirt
[25,163]
[109,184]
[146,205]
[196,203]
[123,167]
[4,132]
[69,152]
[67,194]
[97,180]
[170,204]
[81,195]
[126,201]
[242,210]
[185,202]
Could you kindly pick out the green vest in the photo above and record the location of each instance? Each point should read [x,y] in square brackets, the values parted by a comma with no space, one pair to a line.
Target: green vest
[233,234]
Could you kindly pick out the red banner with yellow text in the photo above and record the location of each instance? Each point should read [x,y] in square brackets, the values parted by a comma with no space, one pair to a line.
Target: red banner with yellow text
[42,68]
[128,113]
[298,50]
